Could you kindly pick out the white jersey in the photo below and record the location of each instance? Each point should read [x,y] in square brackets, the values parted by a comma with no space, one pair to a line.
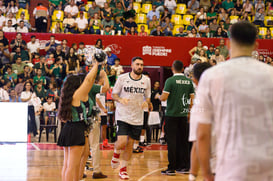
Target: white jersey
[136,91]
[102,99]
[236,96]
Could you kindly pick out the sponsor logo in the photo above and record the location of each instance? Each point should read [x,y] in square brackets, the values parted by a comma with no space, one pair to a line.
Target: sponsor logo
[155,50]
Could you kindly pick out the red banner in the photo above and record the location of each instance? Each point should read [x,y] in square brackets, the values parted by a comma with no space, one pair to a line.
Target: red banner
[156,51]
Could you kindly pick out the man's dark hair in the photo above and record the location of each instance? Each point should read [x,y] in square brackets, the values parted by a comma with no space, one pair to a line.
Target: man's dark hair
[81,43]
[25,66]
[134,58]
[117,59]
[244,33]
[21,21]
[33,36]
[52,36]
[10,20]
[199,68]
[178,65]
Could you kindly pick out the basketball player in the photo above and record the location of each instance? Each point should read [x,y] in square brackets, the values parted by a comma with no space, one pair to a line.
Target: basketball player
[198,69]
[130,91]
[236,97]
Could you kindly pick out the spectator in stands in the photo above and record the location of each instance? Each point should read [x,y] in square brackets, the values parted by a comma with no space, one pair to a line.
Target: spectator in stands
[39,78]
[167,27]
[23,54]
[194,33]
[268,60]
[41,15]
[268,34]
[4,40]
[26,22]
[56,71]
[53,4]
[211,15]
[117,67]
[10,17]
[4,54]
[200,16]
[53,92]
[203,29]
[159,5]
[2,7]
[82,24]
[27,74]
[57,28]
[72,61]
[238,8]
[203,56]
[40,91]
[118,11]
[69,24]
[193,6]
[33,46]
[22,4]
[50,47]
[245,17]
[41,65]
[48,106]
[205,4]
[181,32]
[228,5]
[108,31]
[50,60]
[107,22]
[93,9]
[105,10]
[36,58]
[118,26]
[165,14]
[130,11]
[18,42]
[110,56]
[152,13]
[196,50]
[81,53]
[132,31]
[217,6]
[218,57]
[210,51]
[223,15]
[65,48]
[58,52]
[142,31]
[94,24]
[100,3]
[259,17]
[4,95]
[191,26]
[19,87]
[223,49]
[71,8]
[247,7]
[99,45]
[9,27]
[13,97]
[171,5]
[128,24]
[259,4]
[270,9]
[158,31]
[220,33]
[10,75]
[261,58]
[12,8]
[22,28]
[154,23]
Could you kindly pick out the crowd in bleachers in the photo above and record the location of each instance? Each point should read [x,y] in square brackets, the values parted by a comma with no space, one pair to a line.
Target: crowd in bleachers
[180,18]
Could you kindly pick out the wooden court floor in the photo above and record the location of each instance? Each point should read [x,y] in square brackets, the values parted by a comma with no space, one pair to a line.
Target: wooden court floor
[44,162]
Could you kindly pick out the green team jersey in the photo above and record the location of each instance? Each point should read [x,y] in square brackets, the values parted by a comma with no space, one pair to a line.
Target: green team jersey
[179,88]
[93,92]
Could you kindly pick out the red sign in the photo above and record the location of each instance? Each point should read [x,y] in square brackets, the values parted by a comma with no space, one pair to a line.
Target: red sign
[156,51]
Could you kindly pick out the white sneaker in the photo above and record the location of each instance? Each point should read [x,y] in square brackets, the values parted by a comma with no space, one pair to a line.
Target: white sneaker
[115,162]
[123,173]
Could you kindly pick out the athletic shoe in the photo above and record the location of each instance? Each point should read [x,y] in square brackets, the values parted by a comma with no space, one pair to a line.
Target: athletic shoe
[138,150]
[115,161]
[142,144]
[192,177]
[99,175]
[84,175]
[162,141]
[183,171]
[123,173]
[168,172]
[89,158]
[105,144]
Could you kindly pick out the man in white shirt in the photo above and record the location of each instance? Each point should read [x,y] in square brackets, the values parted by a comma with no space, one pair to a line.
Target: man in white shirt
[4,95]
[72,9]
[82,24]
[9,27]
[48,106]
[33,46]
[129,92]
[171,5]
[21,28]
[2,20]
[152,13]
[236,97]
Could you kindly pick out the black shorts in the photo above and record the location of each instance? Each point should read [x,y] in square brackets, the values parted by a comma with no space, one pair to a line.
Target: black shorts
[145,120]
[127,129]
[103,120]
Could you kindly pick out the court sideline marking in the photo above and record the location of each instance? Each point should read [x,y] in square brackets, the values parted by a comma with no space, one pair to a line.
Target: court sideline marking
[36,147]
[150,173]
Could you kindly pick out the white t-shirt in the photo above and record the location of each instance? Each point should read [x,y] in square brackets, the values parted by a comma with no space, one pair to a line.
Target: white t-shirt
[102,98]
[4,96]
[9,29]
[236,97]
[136,91]
[118,69]
[49,107]
[22,30]
[81,22]
[33,46]
[73,10]
[13,20]
[2,20]
[25,95]
[100,3]
[170,4]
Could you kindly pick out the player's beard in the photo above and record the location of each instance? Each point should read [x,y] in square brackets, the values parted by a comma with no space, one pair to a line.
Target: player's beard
[138,71]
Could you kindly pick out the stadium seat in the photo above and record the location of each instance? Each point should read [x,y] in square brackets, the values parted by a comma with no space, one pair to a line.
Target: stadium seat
[181,9]
[176,29]
[58,15]
[87,6]
[141,18]
[146,8]
[145,26]
[233,19]
[271,30]
[262,31]
[176,19]
[53,25]
[137,7]
[20,11]
[187,19]
[268,18]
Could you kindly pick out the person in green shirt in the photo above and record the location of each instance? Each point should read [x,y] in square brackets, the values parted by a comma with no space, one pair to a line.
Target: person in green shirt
[181,32]
[18,67]
[118,26]
[179,93]
[118,11]
[210,51]
[10,76]
[40,91]
[41,65]
[21,53]
[228,5]
[223,49]
[56,69]
[39,78]
[211,15]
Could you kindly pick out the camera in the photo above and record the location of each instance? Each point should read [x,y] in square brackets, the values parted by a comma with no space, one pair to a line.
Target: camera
[100,56]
